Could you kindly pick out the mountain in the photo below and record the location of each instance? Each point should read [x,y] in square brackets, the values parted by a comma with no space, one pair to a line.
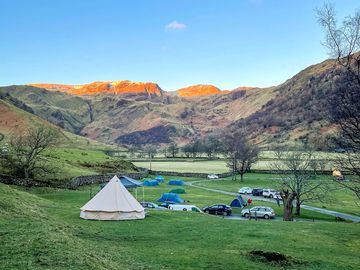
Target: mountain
[111,87]
[198,90]
[141,113]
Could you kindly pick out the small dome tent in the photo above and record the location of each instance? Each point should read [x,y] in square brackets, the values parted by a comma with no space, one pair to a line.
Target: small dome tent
[159,178]
[238,202]
[170,197]
[150,183]
[113,202]
[176,182]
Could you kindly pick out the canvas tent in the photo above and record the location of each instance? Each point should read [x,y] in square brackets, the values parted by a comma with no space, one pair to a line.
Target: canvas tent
[113,202]
[238,202]
[170,197]
[176,182]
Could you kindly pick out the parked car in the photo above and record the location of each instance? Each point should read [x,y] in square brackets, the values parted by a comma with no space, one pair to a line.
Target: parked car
[218,209]
[257,192]
[259,211]
[271,193]
[149,205]
[166,204]
[245,190]
[213,176]
[183,207]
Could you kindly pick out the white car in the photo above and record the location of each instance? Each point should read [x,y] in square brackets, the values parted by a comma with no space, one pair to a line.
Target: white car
[259,211]
[183,207]
[245,190]
[149,205]
[213,176]
[271,193]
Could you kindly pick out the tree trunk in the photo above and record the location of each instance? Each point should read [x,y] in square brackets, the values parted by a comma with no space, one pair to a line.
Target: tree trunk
[242,177]
[26,173]
[297,208]
[288,198]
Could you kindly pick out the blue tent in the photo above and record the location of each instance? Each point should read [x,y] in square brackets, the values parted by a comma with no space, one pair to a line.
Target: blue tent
[170,197]
[159,178]
[127,182]
[151,183]
[176,182]
[238,202]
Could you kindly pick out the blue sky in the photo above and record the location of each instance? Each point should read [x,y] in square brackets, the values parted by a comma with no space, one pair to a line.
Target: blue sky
[175,43]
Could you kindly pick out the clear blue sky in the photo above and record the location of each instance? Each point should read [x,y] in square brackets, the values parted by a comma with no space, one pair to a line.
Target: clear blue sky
[175,43]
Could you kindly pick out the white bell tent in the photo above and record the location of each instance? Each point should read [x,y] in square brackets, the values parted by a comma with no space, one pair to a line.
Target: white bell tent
[113,202]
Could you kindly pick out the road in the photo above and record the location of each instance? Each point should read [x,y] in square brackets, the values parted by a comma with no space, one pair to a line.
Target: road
[307,207]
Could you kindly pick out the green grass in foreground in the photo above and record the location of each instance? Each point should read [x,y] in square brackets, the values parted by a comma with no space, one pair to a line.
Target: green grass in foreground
[42,230]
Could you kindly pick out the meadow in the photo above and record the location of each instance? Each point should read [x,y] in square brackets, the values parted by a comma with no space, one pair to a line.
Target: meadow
[266,161]
[40,228]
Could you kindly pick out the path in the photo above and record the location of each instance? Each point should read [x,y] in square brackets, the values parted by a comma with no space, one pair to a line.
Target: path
[307,207]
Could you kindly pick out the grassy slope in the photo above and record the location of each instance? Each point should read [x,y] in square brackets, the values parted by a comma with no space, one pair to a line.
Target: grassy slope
[73,151]
[43,231]
[15,120]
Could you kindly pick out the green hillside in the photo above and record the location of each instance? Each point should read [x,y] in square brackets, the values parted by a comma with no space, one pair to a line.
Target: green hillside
[75,155]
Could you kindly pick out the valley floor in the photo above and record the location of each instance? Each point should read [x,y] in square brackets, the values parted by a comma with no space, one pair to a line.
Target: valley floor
[40,228]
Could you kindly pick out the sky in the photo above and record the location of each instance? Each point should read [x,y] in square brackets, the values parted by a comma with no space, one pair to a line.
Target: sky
[175,43]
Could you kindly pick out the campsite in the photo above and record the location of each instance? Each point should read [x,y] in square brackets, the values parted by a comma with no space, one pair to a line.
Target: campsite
[164,239]
[180,135]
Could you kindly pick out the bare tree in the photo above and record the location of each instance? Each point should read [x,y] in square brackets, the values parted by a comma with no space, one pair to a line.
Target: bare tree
[25,157]
[288,197]
[298,182]
[343,42]
[173,149]
[241,154]
[151,151]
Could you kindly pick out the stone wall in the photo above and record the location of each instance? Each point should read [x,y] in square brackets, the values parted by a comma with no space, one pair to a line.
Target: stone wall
[10,180]
[72,184]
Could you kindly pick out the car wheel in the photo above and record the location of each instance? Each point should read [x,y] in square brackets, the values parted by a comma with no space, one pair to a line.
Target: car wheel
[271,196]
[266,216]
[246,215]
[184,209]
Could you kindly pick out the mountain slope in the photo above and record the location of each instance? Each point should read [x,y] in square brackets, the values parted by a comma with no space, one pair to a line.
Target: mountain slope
[289,112]
[111,87]
[298,111]
[198,90]
[14,120]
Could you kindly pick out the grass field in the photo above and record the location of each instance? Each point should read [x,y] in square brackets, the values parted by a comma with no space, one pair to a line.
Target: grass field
[40,228]
[209,166]
[338,198]
[202,166]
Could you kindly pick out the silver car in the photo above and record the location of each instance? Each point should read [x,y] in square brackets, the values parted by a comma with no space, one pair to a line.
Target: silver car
[259,212]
